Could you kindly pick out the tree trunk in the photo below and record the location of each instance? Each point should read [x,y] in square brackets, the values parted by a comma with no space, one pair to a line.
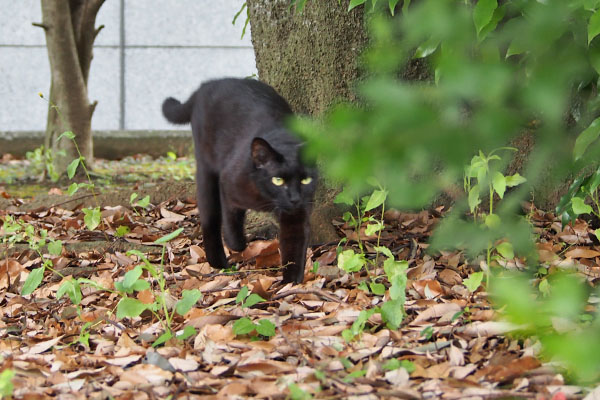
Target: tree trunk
[312,57]
[70,31]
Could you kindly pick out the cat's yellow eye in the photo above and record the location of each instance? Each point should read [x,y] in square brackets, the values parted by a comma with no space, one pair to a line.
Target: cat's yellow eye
[277,181]
[306,180]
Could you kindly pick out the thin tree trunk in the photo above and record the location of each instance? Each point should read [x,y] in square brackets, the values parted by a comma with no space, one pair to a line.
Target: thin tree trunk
[70,33]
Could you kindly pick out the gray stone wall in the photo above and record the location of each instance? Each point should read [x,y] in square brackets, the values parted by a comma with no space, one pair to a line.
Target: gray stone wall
[148,50]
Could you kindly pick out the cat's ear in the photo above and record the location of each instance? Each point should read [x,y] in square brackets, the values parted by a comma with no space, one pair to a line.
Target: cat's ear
[263,153]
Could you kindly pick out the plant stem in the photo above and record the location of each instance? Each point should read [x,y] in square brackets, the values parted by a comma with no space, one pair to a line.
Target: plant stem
[491,198]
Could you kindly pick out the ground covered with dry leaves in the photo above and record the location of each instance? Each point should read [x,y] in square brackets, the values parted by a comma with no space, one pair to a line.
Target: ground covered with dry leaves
[449,345]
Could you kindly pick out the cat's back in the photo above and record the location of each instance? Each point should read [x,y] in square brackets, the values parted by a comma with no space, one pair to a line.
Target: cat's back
[248,96]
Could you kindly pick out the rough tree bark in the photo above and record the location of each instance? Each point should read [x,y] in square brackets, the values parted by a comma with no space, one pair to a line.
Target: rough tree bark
[311,58]
[70,30]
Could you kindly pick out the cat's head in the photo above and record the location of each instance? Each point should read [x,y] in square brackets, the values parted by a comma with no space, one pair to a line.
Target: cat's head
[281,176]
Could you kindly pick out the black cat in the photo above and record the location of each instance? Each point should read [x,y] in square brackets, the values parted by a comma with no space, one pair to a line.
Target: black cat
[246,159]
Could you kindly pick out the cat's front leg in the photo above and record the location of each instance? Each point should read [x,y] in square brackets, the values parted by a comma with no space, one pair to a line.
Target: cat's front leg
[209,211]
[293,242]
[233,227]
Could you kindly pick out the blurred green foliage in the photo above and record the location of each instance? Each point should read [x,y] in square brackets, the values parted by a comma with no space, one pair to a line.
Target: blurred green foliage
[492,81]
[568,333]
[498,69]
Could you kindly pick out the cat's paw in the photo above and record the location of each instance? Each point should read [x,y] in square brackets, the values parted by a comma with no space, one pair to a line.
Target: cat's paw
[293,273]
[235,242]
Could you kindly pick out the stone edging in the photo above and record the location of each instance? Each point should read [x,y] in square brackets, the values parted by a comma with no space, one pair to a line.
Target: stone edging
[107,144]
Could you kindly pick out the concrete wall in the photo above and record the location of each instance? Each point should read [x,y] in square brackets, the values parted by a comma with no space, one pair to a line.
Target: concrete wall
[148,50]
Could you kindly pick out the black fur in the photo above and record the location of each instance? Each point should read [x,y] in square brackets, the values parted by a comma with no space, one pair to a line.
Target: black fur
[241,144]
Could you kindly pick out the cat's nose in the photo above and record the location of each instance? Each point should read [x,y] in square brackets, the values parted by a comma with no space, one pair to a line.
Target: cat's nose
[295,200]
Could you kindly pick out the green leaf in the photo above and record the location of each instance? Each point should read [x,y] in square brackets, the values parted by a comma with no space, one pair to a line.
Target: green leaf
[353,375]
[372,229]
[140,285]
[594,26]
[377,288]
[492,221]
[188,299]
[483,12]
[363,286]
[68,134]
[564,205]
[516,47]
[396,274]
[296,393]
[252,300]
[359,325]
[355,3]
[92,217]
[391,365]
[392,4]
[594,181]
[591,5]
[144,202]
[496,18]
[473,281]
[350,261]
[514,180]
[243,326]
[33,281]
[55,247]
[130,307]
[6,385]
[427,332]
[506,250]
[376,199]
[586,138]
[84,335]
[132,197]
[188,331]
[162,338]
[344,197]
[72,289]
[132,276]
[72,167]
[385,251]
[597,233]
[242,294]
[579,206]
[392,313]
[169,237]
[499,183]
[405,6]
[265,328]
[544,287]
[347,335]
[427,48]
[122,230]
[409,366]
[73,187]
[474,199]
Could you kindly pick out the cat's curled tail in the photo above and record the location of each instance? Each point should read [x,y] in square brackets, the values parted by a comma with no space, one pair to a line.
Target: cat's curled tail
[177,112]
